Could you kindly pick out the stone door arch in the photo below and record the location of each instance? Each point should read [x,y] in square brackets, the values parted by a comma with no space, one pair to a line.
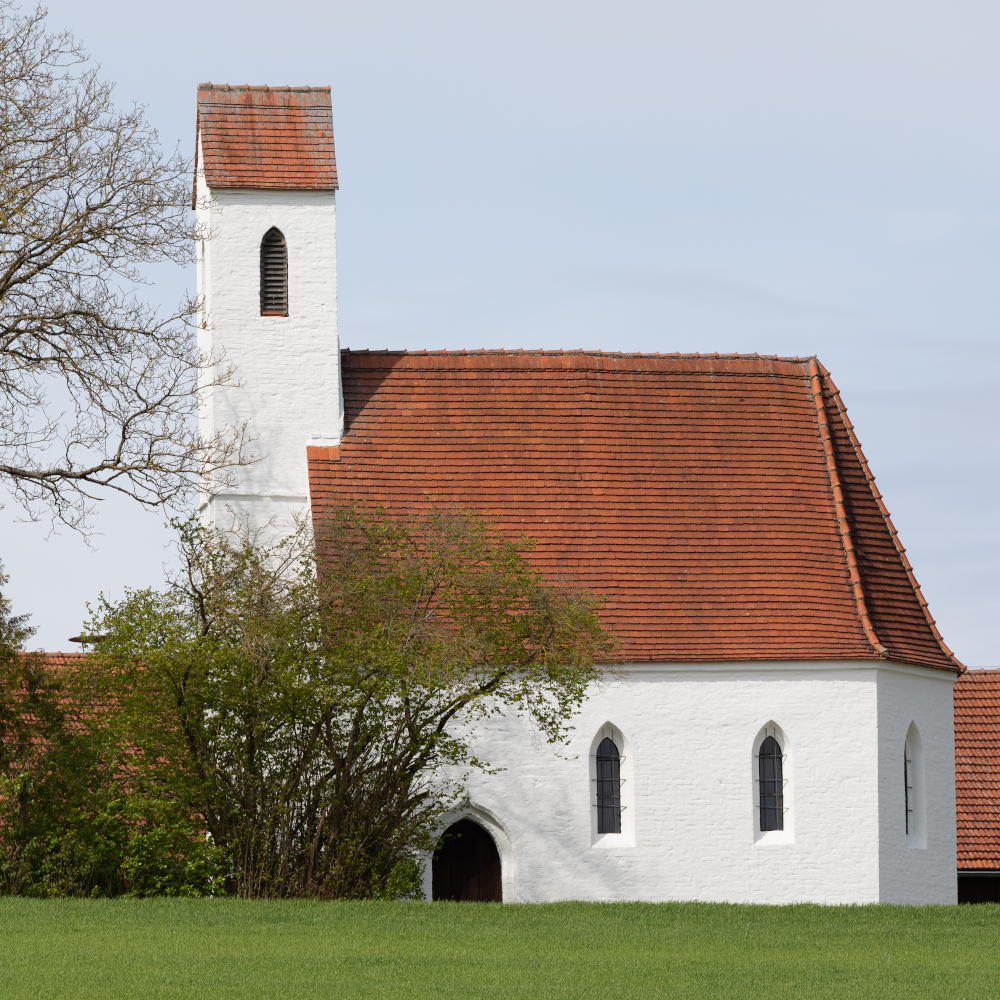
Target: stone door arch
[467,865]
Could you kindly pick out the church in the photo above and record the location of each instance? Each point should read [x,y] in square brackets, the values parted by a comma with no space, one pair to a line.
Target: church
[782,730]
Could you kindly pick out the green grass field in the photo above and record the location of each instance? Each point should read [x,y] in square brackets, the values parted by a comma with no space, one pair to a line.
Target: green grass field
[226,948]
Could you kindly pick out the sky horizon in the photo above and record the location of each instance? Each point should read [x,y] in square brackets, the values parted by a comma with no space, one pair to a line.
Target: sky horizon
[654,177]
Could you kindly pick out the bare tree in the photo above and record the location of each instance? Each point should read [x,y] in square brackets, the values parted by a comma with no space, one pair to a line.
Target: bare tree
[98,389]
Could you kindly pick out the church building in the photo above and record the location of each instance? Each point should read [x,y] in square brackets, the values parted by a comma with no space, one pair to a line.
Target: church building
[783,728]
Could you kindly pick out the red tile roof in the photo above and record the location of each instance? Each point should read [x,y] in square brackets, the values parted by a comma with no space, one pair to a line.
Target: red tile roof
[722,503]
[278,138]
[977,768]
[63,659]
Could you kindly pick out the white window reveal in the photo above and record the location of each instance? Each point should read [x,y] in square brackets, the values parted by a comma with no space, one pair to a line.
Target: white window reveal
[612,794]
[914,798]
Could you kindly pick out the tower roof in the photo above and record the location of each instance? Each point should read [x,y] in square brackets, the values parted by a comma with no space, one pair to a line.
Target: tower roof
[273,138]
[721,503]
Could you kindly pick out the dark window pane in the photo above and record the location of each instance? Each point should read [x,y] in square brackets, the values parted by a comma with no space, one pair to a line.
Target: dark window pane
[771,799]
[609,788]
[906,788]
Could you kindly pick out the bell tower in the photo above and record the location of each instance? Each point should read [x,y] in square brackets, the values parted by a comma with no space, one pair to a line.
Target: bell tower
[265,196]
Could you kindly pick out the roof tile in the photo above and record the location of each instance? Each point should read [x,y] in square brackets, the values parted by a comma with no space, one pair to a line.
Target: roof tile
[977,768]
[274,138]
[721,502]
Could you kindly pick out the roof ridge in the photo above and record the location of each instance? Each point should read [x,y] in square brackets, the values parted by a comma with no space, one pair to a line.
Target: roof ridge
[883,510]
[561,352]
[816,381]
[262,86]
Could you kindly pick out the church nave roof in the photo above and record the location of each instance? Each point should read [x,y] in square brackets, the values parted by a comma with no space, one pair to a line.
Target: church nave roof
[721,502]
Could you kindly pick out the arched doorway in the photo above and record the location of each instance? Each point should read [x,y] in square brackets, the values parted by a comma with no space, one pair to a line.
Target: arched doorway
[467,865]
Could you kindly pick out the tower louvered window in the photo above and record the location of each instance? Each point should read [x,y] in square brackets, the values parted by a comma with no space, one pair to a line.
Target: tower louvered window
[273,274]
[771,795]
[609,788]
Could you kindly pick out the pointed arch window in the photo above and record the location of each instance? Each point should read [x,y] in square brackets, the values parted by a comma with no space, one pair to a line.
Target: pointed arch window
[914,789]
[609,787]
[908,795]
[771,796]
[273,274]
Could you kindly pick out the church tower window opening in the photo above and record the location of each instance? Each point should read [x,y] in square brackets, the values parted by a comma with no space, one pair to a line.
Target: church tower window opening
[772,813]
[273,274]
[609,788]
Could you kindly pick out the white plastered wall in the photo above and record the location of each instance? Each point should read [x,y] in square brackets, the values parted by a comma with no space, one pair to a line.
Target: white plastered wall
[921,868]
[289,367]
[690,732]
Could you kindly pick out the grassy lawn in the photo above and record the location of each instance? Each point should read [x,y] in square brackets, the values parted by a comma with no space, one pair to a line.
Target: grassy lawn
[226,948]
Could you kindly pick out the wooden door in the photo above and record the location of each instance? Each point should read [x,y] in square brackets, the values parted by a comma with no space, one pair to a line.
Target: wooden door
[467,865]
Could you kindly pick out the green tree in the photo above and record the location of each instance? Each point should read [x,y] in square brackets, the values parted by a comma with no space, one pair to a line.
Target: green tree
[307,712]
[75,817]
[14,629]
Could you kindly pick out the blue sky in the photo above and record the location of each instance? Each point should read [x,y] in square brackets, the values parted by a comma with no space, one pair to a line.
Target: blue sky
[774,177]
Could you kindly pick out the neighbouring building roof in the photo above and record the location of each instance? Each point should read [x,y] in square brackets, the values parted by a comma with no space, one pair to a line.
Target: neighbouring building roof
[977,768]
[721,503]
[275,138]
[63,659]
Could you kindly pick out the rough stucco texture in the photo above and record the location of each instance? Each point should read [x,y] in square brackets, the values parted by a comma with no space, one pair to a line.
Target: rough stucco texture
[691,737]
[288,366]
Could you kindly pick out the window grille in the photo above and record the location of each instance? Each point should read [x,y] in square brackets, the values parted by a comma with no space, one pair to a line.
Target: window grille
[609,788]
[273,274]
[907,787]
[771,796]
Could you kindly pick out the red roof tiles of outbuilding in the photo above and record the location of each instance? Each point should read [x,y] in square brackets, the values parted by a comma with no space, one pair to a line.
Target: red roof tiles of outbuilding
[63,659]
[720,502]
[977,768]
[274,138]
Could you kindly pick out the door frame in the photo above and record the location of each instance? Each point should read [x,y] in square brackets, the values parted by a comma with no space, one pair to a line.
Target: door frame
[491,823]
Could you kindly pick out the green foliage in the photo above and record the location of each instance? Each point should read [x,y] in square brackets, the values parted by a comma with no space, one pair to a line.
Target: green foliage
[306,716]
[119,846]
[74,819]
[14,629]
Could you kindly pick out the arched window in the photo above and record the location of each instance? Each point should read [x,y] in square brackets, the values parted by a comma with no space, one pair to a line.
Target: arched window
[273,274]
[609,788]
[772,813]
[908,796]
[914,790]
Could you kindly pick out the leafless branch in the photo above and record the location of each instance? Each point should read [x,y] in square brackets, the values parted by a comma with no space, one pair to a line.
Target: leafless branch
[98,390]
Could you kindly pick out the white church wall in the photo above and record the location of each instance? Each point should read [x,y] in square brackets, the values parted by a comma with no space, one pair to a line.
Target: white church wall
[920,868]
[289,367]
[691,732]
